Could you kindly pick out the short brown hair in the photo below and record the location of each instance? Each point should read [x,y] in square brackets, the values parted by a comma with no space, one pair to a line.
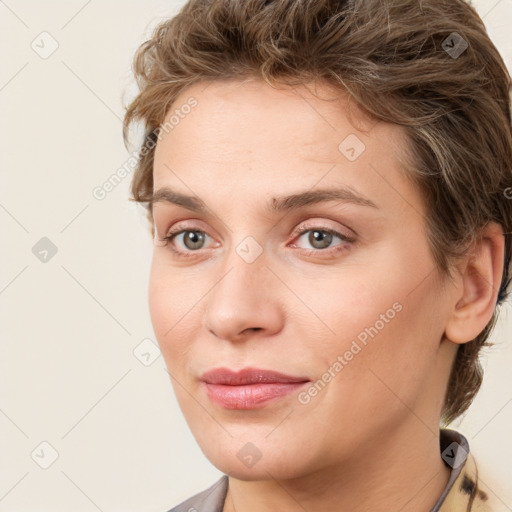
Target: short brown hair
[427,65]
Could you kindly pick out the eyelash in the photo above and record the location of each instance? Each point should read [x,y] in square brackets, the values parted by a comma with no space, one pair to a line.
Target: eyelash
[331,251]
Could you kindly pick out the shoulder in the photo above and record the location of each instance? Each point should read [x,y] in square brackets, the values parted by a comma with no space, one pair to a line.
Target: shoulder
[209,500]
[470,492]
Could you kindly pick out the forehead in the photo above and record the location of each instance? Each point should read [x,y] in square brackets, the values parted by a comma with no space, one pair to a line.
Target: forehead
[287,138]
[229,113]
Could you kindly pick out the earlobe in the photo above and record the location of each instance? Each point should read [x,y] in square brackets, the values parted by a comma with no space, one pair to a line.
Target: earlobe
[479,283]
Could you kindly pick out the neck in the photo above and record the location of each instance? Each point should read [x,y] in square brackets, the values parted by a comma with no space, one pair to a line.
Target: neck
[400,470]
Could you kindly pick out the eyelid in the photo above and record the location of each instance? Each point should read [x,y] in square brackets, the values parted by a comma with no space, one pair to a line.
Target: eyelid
[182,225]
[320,225]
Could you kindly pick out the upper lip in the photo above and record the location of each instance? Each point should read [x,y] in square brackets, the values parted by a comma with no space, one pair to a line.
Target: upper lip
[247,376]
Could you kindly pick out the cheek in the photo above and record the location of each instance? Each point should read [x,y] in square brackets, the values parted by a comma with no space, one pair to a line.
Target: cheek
[375,372]
[351,306]
[173,308]
[160,302]
[383,320]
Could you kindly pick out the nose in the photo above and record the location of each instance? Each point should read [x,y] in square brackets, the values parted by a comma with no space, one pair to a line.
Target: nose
[243,301]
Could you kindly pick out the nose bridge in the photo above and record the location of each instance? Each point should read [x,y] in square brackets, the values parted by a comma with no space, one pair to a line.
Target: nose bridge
[244,275]
[245,255]
[241,297]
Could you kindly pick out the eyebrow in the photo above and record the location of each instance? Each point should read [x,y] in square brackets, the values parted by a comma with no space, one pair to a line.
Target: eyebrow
[275,204]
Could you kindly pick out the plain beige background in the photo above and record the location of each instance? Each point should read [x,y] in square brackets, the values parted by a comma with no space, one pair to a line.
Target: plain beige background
[81,376]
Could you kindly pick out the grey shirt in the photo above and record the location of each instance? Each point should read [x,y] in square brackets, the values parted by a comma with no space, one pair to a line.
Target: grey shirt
[454,449]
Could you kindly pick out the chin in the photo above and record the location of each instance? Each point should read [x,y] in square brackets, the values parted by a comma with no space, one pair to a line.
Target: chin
[245,460]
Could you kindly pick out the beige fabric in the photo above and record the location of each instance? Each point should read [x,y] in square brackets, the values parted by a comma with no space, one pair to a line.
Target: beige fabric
[468,494]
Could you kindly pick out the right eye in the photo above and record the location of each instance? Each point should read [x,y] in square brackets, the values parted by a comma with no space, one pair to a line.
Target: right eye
[191,241]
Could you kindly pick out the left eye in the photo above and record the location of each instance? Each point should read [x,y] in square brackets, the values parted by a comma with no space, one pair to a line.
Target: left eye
[321,238]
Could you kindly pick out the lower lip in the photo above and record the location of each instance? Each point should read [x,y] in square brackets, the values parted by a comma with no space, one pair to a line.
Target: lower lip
[251,396]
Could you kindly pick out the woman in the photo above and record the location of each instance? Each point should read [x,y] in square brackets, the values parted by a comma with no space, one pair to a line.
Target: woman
[326,183]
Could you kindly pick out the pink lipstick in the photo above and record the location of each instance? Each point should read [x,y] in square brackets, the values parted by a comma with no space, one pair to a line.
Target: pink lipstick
[250,388]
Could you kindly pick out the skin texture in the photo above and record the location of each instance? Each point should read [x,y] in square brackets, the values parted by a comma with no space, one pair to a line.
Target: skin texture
[369,440]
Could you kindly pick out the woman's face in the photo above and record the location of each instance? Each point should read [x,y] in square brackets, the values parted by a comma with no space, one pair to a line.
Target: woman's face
[340,292]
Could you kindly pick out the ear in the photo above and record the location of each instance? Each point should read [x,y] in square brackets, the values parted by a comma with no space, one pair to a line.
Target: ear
[477,288]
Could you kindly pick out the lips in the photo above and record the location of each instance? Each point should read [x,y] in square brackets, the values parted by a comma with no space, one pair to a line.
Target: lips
[250,388]
[247,376]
